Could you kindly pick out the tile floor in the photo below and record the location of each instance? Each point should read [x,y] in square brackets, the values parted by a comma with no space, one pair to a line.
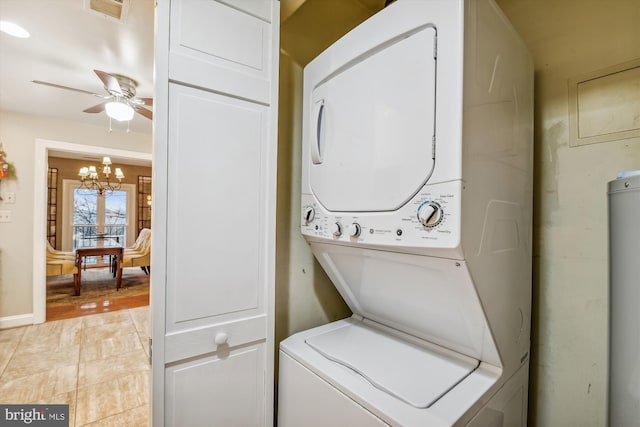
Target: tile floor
[97,364]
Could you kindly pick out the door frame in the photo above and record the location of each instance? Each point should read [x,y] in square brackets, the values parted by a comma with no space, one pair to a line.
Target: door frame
[41,156]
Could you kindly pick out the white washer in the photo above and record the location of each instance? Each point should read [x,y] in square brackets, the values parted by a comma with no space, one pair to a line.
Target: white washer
[416,196]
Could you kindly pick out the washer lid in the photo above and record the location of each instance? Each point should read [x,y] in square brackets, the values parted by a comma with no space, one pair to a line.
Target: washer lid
[431,298]
[414,374]
[370,132]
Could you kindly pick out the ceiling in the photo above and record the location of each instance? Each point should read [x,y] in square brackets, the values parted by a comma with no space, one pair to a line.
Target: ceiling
[68,41]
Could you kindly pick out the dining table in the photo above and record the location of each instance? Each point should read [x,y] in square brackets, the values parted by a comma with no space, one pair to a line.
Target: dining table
[112,251]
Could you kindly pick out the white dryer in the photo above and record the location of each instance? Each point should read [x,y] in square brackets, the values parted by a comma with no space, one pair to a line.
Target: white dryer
[416,196]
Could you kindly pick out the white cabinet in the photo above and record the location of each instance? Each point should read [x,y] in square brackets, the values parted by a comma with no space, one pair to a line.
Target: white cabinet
[225,394]
[224,48]
[213,246]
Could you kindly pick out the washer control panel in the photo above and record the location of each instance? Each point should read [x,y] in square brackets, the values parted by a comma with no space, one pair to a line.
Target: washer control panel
[430,219]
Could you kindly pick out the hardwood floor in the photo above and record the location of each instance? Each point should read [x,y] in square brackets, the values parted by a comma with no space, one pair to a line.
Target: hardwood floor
[98,294]
[104,306]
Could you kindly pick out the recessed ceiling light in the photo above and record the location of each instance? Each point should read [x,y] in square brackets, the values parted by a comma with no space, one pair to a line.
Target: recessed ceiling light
[13,29]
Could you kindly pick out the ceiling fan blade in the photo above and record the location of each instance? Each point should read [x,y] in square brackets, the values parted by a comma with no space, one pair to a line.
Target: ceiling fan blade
[96,108]
[110,82]
[67,88]
[144,112]
[147,101]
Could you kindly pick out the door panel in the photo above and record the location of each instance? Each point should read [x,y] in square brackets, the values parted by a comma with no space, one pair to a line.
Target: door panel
[202,340]
[194,400]
[258,8]
[215,141]
[214,234]
[197,57]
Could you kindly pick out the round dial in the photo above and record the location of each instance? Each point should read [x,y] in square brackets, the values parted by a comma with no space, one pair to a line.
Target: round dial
[429,214]
[308,213]
[336,229]
[354,230]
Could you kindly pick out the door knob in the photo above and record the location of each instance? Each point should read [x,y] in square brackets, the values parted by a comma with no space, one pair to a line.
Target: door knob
[221,338]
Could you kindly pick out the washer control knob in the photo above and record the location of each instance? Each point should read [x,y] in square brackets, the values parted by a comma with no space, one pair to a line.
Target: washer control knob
[336,229]
[308,213]
[429,214]
[354,230]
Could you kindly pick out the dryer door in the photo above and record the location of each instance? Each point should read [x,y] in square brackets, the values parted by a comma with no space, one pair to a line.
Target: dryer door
[371,126]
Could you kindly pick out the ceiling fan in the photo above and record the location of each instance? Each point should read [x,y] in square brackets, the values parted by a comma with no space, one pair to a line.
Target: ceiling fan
[120,103]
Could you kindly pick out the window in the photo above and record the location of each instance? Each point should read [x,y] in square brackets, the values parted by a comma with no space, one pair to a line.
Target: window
[99,218]
[93,220]
[52,200]
[144,202]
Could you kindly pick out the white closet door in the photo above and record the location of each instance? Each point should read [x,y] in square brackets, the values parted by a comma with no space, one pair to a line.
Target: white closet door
[214,229]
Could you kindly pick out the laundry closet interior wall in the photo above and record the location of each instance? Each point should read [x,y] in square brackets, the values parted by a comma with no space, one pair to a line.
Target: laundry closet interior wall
[305,297]
[568,40]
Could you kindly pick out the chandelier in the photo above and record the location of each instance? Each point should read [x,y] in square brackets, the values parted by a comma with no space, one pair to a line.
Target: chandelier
[90,180]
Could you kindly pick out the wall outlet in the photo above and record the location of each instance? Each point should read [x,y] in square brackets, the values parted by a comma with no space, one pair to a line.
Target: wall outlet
[5,216]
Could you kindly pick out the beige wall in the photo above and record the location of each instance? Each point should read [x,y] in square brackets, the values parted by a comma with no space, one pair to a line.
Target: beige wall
[18,133]
[305,297]
[569,38]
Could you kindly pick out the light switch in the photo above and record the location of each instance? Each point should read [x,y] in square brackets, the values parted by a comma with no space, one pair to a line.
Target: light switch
[9,197]
[5,216]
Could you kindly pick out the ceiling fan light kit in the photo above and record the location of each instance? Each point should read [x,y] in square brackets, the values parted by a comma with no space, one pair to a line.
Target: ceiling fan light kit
[120,103]
[119,110]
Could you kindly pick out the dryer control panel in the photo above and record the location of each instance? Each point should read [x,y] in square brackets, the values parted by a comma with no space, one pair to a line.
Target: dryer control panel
[431,219]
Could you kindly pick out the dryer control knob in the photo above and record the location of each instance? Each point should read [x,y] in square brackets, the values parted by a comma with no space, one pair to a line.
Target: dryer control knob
[354,229]
[429,214]
[336,229]
[308,213]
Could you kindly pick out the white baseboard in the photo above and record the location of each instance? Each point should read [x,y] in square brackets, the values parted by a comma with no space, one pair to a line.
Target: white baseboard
[15,321]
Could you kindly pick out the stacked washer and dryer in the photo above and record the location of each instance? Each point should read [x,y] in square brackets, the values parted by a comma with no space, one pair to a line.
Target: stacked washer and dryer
[417,202]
